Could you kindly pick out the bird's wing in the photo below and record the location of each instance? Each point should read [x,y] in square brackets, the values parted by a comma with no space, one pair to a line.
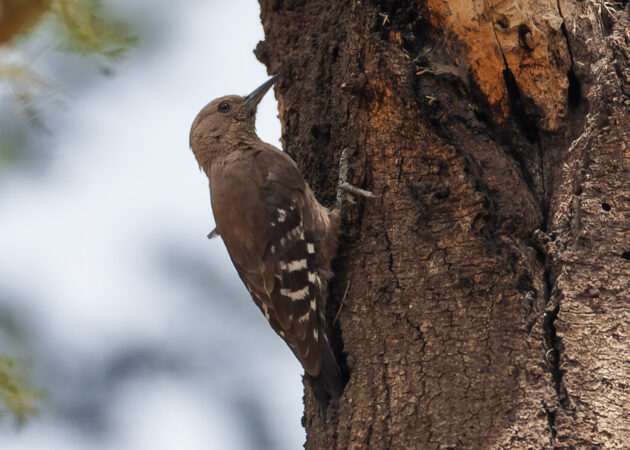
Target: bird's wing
[278,266]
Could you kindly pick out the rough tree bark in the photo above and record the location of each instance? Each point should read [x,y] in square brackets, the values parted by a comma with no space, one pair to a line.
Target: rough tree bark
[488,290]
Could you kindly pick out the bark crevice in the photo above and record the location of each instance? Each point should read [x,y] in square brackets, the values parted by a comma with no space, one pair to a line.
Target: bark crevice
[390,263]
[574,91]
[552,355]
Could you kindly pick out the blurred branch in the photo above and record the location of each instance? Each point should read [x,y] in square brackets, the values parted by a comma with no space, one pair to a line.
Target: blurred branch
[16,16]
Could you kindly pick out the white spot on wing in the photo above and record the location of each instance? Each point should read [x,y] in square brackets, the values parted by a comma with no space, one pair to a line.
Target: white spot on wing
[295,265]
[310,248]
[265,311]
[304,318]
[297,231]
[315,333]
[313,304]
[282,215]
[295,295]
[312,277]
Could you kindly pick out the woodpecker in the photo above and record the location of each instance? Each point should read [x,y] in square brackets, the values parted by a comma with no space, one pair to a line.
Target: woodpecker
[280,239]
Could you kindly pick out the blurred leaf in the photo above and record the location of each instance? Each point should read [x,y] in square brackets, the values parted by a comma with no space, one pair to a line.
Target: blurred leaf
[87,29]
[21,76]
[26,86]
[16,393]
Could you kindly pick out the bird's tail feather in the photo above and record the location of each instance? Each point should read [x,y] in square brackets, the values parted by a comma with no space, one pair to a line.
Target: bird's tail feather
[327,385]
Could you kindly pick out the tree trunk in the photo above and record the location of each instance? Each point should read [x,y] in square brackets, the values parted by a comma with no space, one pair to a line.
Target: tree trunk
[485,298]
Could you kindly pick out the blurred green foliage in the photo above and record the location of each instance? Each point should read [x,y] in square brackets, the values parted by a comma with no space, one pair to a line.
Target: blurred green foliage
[82,27]
[19,398]
[87,29]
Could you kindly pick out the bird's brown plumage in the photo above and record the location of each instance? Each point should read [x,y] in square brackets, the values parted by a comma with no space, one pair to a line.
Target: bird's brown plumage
[280,239]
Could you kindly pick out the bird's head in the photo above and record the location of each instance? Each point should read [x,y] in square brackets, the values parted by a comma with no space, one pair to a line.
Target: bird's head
[225,122]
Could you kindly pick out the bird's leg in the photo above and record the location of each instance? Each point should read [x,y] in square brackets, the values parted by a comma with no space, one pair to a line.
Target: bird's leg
[343,186]
[214,233]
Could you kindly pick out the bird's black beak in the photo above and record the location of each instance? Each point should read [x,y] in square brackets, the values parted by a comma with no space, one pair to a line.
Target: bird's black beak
[252,100]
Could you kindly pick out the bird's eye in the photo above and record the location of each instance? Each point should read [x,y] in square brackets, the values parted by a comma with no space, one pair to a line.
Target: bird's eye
[224,107]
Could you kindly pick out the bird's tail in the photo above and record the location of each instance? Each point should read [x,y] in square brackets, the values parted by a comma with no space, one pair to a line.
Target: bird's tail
[327,385]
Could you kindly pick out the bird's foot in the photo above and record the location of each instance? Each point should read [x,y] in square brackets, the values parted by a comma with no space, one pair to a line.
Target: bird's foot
[343,187]
[214,233]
